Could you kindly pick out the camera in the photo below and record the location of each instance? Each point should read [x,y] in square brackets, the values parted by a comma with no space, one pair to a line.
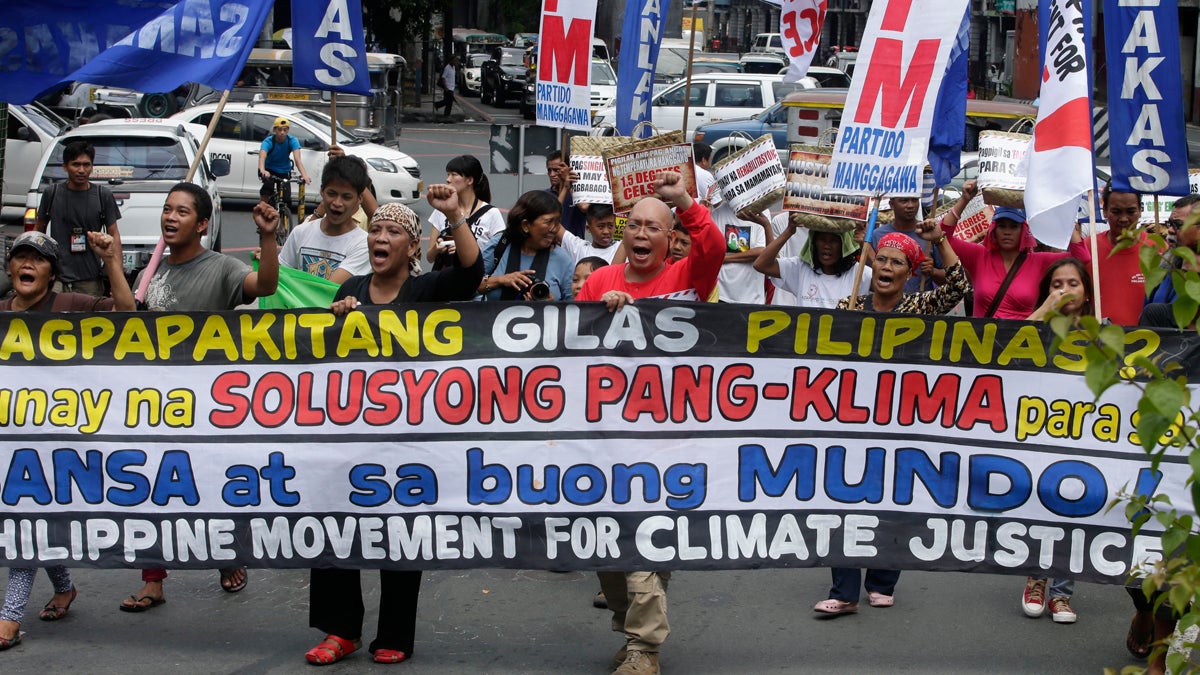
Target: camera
[540,290]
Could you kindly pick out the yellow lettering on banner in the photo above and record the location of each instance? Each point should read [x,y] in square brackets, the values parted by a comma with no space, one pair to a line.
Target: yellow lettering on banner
[289,336]
[1107,427]
[356,336]
[866,337]
[937,340]
[803,324]
[17,341]
[899,331]
[135,339]
[178,410]
[255,335]
[1026,344]
[451,341]
[95,408]
[1168,437]
[765,324]
[1070,356]
[96,331]
[406,335]
[65,410]
[964,335]
[58,344]
[1065,419]
[215,336]
[826,345]
[25,398]
[316,324]
[172,330]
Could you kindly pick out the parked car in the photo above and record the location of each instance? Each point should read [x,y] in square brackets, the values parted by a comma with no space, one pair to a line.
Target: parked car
[724,138]
[673,61]
[471,74]
[712,98]
[604,89]
[763,62]
[139,159]
[768,43]
[31,129]
[243,126]
[503,76]
[524,40]
[828,77]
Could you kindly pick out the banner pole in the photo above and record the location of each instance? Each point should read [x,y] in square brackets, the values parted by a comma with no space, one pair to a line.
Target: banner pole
[687,99]
[161,247]
[862,259]
[1091,197]
[333,117]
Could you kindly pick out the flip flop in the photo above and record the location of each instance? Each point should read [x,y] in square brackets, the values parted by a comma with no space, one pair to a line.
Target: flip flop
[834,607]
[880,600]
[228,573]
[9,643]
[1140,642]
[389,656]
[52,612]
[138,605]
[331,650]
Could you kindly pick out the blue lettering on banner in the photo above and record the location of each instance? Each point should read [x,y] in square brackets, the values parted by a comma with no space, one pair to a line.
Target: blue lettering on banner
[641,36]
[1148,141]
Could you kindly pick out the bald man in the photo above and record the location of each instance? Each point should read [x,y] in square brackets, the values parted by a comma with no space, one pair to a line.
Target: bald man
[638,600]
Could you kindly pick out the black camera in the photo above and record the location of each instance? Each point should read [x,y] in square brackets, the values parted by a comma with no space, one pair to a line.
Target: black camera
[540,290]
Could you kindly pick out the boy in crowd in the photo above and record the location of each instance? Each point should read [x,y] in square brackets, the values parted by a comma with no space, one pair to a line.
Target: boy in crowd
[334,247]
[602,225]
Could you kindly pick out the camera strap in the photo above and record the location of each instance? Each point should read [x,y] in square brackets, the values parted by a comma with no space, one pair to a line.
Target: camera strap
[541,261]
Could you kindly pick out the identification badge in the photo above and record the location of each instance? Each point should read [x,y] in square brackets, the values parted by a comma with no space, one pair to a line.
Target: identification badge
[78,243]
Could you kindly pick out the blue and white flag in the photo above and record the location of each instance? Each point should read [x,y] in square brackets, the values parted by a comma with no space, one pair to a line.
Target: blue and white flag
[950,112]
[1147,136]
[331,52]
[137,44]
[640,39]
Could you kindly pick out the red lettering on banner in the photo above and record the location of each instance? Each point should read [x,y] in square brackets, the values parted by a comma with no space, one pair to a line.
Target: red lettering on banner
[847,411]
[736,401]
[416,390]
[691,389]
[791,30]
[896,15]
[918,401]
[496,394]
[389,402]
[563,49]
[454,380]
[222,394]
[279,384]
[883,81]
[646,395]
[306,415]
[605,385]
[544,403]
[339,413]
[985,403]
[806,393]
[883,397]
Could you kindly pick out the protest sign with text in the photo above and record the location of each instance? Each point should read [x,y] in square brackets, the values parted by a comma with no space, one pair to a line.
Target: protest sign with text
[564,65]
[561,436]
[632,174]
[1000,157]
[883,141]
[750,175]
[806,179]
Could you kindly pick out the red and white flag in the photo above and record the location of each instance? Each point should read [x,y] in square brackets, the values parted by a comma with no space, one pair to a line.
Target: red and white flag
[800,23]
[1060,155]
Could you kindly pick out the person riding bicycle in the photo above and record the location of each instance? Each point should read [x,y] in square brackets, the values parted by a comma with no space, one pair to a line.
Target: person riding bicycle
[275,158]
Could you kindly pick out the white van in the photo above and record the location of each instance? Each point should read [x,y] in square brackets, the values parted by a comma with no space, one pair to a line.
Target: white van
[31,128]
[769,43]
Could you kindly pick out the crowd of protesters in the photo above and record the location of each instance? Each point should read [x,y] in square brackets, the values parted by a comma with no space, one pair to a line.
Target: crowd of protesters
[548,247]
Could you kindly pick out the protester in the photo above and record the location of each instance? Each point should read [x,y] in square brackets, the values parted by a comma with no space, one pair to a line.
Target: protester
[681,242]
[335,595]
[537,270]
[896,259]
[465,174]
[789,248]
[738,281]
[821,274]
[562,182]
[1122,284]
[275,157]
[904,221]
[333,248]
[1165,291]
[193,278]
[68,211]
[447,83]
[367,201]
[702,155]
[33,263]
[583,270]
[1006,268]
[638,600]
[602,226]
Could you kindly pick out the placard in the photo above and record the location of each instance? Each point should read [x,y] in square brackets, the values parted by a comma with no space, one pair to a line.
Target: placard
[1000,155]
[751,174]
[632,174]
[807,176]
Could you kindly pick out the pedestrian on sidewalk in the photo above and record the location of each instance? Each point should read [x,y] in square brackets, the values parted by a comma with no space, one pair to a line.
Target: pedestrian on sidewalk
[448,82]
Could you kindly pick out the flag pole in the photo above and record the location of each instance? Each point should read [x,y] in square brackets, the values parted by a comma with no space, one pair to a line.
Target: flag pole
[862,259]
[333,117]
[687,89]
[161,247]
[1091,198]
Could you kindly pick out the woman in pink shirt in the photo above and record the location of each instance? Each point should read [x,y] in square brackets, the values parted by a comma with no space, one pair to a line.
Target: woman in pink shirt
[1007,244]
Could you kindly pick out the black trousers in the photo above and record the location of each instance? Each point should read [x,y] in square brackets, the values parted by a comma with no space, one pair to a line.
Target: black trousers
[336,606]
[448,101]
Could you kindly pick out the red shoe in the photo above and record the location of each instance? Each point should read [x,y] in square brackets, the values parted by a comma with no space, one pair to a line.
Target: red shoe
[331,650]
[389,656]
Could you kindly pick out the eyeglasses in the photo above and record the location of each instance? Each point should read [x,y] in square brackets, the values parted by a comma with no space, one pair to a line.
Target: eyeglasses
[885,261]
[634,228]
[1174,223]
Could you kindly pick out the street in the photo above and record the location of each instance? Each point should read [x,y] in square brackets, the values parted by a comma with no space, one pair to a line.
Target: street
[527,621]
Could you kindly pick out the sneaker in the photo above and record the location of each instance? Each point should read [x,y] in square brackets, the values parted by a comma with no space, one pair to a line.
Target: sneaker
[638,663]
[1034,599]
[1060,610]
[619,657]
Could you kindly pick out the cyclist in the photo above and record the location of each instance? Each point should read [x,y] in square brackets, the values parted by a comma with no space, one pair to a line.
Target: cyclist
[275,158]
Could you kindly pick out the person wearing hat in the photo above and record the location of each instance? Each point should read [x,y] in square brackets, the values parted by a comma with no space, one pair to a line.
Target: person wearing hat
[394,243]
[1005,269]
[275,158]
[823,273]
[33,264]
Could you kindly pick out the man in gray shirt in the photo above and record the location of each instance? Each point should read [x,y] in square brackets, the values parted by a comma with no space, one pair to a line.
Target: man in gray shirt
[68,211]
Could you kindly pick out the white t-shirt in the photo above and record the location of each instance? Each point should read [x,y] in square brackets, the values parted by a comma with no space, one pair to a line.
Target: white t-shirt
[704,181]
[448,76]
[308,249]
[487,226]
[817,289]
[791,249]
[580,249]
[740,282]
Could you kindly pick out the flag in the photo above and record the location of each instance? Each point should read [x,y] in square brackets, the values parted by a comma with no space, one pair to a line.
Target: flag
[564,64]
[298,289]
[800,23]
[145,46]
[950,112]
[1060,154]
[332,54]
[641,37]
[1147,136]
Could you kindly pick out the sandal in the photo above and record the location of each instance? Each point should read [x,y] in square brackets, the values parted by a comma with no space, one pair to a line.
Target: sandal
[834,607]
[880,600]
[389,656]
[331,650]
[52,612]
[1140,638]
[9,643]
[228,574]
[140,605]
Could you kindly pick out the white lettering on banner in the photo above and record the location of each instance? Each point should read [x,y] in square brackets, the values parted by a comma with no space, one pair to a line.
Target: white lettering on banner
[336,20]
[1139,72]
[196,30]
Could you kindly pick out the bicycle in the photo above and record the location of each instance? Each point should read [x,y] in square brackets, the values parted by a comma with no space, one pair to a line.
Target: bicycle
[279,200]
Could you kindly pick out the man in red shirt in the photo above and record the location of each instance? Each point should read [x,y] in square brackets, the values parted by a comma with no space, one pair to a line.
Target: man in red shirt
[1122,284]
[638,600]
